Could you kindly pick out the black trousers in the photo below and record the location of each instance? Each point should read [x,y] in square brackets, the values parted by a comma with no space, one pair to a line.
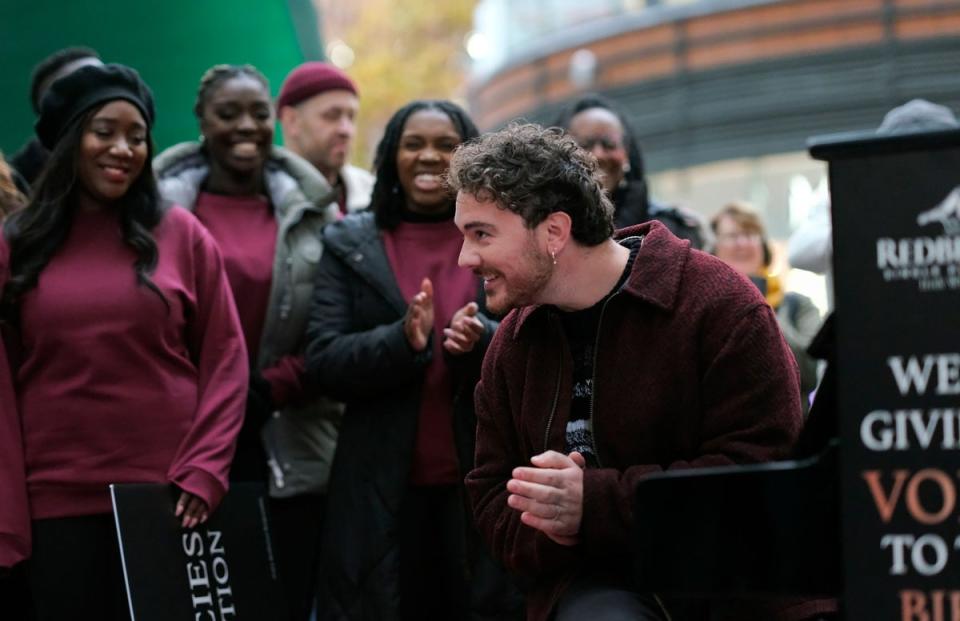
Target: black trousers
[296,524]
[15,601]
[75,570]
[433,564]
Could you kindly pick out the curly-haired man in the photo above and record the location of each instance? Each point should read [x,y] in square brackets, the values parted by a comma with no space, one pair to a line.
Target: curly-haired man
[622,356]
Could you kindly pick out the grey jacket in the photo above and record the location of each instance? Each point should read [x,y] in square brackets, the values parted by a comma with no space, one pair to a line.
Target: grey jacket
[299,440]
[359,184]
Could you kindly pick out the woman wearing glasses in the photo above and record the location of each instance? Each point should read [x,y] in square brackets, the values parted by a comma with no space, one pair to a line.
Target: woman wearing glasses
[741,243]
[601,128]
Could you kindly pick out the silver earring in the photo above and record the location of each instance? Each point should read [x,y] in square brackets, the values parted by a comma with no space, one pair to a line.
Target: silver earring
[553,255]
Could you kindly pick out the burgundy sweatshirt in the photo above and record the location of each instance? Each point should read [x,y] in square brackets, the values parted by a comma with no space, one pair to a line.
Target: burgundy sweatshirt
[114,386]
[418,250]
[14,512]
[245,229]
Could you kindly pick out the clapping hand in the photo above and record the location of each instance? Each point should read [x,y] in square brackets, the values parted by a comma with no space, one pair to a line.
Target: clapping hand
[418,321]
[464,331]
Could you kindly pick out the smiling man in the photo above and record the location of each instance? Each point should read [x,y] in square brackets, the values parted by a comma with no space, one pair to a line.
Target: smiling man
[621,356]
[318,107]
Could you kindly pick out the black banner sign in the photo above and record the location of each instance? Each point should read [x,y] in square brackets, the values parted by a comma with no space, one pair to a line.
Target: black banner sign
[896,227]
[219,571]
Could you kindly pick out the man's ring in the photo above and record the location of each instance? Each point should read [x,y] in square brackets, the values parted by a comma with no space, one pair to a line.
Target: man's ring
[557,515]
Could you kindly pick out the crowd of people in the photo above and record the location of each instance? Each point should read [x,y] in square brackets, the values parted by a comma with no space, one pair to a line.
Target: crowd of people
[450,372]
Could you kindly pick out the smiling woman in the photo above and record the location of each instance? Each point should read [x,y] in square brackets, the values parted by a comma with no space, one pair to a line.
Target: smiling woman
[398,331]
[119,376]
[742,244]
[265,207]
[112,152]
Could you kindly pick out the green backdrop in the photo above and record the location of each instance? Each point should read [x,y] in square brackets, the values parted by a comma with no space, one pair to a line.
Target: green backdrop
[171,43]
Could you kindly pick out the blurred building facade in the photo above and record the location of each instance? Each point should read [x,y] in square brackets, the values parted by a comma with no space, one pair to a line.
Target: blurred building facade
[723,94]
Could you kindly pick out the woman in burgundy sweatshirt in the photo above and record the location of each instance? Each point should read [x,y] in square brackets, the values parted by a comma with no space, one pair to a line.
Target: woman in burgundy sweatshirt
[128,361]
[265,207]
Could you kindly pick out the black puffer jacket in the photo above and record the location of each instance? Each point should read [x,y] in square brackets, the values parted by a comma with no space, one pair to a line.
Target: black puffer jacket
[357,353]
[633,206]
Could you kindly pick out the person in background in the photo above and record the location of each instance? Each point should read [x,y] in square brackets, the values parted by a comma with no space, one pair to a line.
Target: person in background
[599,127]
[265,207]
[741,243]
[397,331]
[14,510]
[810,247]
[128,360]
[29,160]
[318,106]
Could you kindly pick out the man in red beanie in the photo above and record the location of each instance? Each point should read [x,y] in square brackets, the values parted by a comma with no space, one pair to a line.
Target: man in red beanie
[318,107]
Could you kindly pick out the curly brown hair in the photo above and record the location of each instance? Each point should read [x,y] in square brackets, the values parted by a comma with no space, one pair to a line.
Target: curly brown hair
[534,172]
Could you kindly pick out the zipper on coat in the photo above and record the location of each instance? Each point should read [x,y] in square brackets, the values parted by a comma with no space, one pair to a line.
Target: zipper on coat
[593,391]
[663,608]
[277,472]
[287,301]
[593,382]
[285,305]
[553,408]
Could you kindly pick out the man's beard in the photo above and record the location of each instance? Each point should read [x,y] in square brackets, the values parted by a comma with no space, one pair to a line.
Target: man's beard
[525,289]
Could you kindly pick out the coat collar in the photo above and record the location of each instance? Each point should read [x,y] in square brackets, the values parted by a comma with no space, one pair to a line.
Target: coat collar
[292,184]
[657,271]
[356,241]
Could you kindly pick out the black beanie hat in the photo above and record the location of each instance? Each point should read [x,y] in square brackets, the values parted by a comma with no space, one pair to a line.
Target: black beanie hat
[72,95]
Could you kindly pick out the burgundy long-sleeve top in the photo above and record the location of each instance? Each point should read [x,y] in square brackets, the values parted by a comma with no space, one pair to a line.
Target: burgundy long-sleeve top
[245,230]
[14,513]
[114,385]
[418,250]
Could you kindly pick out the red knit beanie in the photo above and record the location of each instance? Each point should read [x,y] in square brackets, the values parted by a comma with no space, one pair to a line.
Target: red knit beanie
[312,78]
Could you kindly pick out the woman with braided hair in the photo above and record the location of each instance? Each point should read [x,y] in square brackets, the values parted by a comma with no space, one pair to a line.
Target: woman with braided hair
[398,331]
[265,207]
[127,359]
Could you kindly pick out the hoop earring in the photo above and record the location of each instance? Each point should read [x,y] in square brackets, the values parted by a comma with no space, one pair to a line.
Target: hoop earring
[553,255]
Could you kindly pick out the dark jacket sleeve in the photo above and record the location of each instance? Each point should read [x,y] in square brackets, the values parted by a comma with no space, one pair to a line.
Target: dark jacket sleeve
[345,361]
[750,412]
[466,367]
[522,549]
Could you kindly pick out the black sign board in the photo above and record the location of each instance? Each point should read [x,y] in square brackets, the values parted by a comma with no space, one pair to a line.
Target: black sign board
[222,570]
[896,236]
